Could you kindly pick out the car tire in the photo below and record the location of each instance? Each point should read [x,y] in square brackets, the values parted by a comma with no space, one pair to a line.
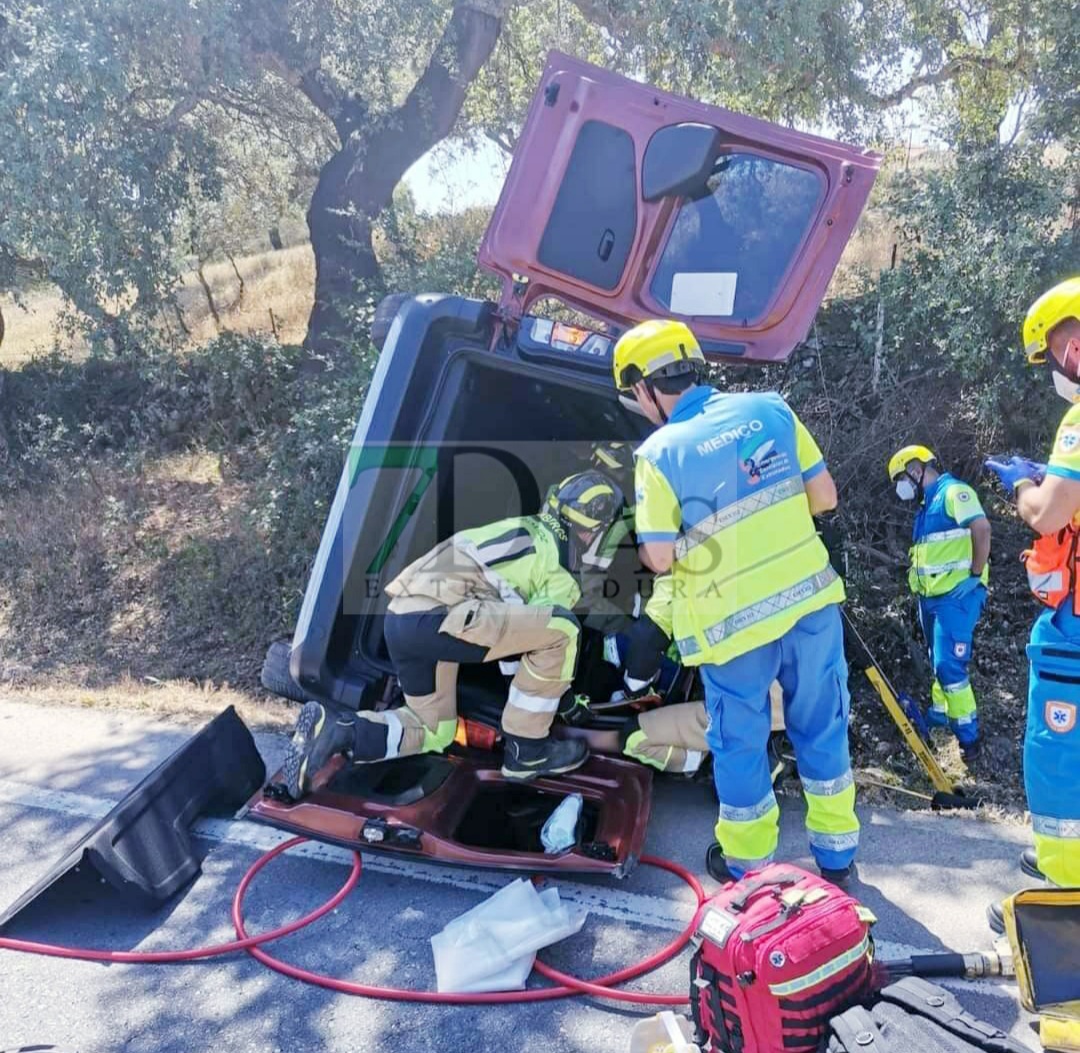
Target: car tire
[384,316]
[275,675]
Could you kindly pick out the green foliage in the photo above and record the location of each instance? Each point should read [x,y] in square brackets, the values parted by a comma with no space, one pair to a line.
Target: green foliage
[298,466]
[433,253]
[840,62]
[93,169]
[214,569]
[133,132]
[982,237]
[57,414]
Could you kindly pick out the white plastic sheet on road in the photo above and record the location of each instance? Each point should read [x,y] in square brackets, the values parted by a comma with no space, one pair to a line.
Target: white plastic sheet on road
[492,947]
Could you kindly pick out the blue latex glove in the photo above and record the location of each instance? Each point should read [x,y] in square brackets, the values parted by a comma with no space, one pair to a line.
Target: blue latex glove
[966,588]
[1013,471]
[915,715]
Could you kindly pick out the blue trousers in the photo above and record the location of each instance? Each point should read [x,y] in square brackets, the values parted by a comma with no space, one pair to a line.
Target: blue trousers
[1052,744]
[809,663]
[948,624]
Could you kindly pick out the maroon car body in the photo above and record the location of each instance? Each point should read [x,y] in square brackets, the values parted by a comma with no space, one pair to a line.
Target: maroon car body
[459,809]
[632,203]
[625,203]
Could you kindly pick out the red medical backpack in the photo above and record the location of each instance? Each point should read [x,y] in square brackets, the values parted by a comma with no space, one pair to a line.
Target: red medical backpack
[781,951]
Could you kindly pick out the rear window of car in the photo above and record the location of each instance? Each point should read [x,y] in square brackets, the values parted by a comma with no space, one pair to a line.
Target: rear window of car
[729,249]
[592,225]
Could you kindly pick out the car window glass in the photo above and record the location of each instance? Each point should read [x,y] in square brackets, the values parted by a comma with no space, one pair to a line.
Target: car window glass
[729,249]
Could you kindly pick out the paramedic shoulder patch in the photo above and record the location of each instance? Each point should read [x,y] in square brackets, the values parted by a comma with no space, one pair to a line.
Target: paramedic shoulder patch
[1060,716]
[1068,439]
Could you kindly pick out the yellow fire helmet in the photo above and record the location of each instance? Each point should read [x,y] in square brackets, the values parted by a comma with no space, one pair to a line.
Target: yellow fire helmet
[1054,306]
[659,347]
[899,461]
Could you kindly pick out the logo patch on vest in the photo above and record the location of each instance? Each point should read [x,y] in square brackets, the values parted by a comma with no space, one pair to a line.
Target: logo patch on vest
[1060,716]
[963,496]
[1069,439]
[960,649]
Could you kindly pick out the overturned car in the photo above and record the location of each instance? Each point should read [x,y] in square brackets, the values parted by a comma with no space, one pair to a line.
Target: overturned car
[622,203]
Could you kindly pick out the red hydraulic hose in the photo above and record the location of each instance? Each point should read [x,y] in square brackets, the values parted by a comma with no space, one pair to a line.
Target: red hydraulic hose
[599,987]
[164,957]
[567,985]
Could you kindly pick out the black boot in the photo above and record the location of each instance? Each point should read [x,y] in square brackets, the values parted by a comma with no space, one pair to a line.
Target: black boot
[527,759]
[716,865]
[318,736]
[1029,864]
[574,709]
[840,878]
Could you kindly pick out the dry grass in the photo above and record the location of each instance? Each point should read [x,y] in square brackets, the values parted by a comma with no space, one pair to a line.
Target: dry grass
[31,328]
[135,572]
[181,700]
[279,282]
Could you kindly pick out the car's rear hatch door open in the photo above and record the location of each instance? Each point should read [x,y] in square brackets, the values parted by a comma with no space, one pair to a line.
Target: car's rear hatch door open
[631,203]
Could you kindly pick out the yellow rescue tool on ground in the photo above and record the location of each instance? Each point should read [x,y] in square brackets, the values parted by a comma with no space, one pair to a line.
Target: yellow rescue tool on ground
[946,795]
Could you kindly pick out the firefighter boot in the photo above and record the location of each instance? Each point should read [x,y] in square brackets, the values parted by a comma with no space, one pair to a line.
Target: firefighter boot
[318,736]
[526,759]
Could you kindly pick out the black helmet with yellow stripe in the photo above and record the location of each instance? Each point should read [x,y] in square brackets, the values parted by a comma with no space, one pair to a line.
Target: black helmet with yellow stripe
[615,460]
[587,501]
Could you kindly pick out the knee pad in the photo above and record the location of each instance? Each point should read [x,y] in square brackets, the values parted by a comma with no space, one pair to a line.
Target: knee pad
[566,615]
[629,728]
[369,739]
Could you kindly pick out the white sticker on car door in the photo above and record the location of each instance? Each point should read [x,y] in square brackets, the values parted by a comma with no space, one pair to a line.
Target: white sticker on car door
[711,293]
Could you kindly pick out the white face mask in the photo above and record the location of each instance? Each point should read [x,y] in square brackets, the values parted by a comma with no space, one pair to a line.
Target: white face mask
[1068,389]
[905,489]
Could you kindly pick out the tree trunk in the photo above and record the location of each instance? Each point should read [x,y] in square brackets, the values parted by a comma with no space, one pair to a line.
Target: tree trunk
[345,262]
[358,182]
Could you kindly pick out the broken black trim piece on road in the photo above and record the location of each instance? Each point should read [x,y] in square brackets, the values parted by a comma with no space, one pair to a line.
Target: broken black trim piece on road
[143,847]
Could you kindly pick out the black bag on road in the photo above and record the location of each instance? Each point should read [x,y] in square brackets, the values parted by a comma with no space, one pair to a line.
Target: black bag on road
[913,1016]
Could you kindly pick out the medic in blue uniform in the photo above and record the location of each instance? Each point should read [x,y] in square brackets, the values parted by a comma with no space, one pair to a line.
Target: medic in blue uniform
[948,575]
[1048,500]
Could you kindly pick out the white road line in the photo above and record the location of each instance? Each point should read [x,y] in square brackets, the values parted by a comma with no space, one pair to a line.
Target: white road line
[637,908]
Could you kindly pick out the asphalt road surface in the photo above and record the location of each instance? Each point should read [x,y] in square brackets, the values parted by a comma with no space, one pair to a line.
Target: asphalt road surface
[926,877]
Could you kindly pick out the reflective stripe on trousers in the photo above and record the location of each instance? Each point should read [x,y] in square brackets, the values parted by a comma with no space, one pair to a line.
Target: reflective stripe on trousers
[748,835]
[948,624]
[809,663]
[671,738]
[830,811]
